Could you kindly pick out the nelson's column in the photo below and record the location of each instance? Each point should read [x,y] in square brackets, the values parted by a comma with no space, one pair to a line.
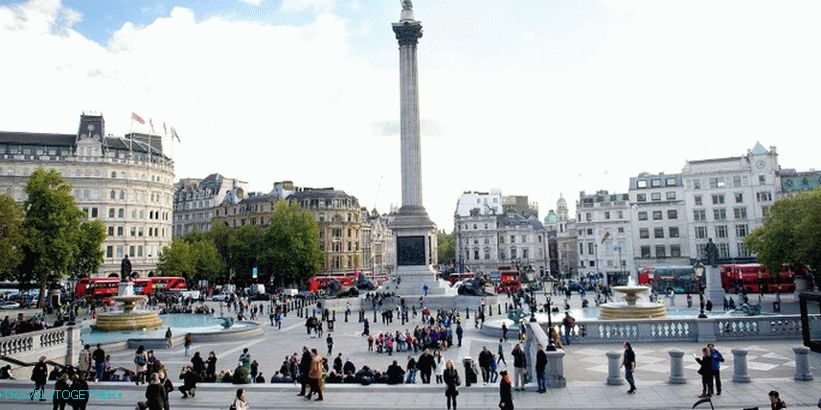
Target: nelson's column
[415,233]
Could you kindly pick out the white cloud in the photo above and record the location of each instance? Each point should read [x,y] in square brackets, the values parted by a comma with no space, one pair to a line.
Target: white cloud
[308,5]
[645,87]
[252,2]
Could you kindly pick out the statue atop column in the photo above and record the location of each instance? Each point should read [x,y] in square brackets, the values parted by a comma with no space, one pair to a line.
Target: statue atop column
[711,251]
[125,269]
[407,11]
[407,5]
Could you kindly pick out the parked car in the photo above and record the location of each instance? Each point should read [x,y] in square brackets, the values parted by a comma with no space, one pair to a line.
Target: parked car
[7,304]
[221,297]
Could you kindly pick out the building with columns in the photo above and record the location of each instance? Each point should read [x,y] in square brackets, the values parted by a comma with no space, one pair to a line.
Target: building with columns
[126,182]
[195,200]
[727,198]
[605,244]
[659,215]
[378,244]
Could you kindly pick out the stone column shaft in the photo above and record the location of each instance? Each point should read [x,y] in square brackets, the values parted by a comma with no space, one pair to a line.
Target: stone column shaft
[409,127]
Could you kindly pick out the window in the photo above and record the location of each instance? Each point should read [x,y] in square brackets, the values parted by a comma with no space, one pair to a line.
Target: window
[621,215]
[133,231]
[110,231]
[671,196]
[742,250]
[719,214]
[765,211]
[581,249]
[645,251]
[716,182]
[588,216]
[762,179]
[641,183]
[721,231]
[675,251]
[642,216]
[673,231]
[764,196]
[658,232]
[699,215]
[122,194]
[671,181]
[657,215]
[661,251]
[487,254]
[512,238]
[590,246]
[723,250]
[121,213]
[672,214]
[741,230]
[119,231]
[476,254]
[655,196]
[590,231]
[474,226]
[736,181]
[641,198]
[112,195]
[644,233]
[111,212]
[740,213]
[513,254]
[621,229]
[739,197]
[697,199]
[109,251]
[718,199]
[606,214]
[696,184]
[655,182]
[701,232]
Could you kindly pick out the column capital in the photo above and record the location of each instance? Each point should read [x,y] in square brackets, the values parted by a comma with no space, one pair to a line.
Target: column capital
[408,33]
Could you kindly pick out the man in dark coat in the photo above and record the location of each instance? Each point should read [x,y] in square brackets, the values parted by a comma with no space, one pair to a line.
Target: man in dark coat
[189,384]
[519,366]
[425,365]
[395,374]
[505,394]
[541,364]
[79,393]
[304,368]
[485,359]
[349,367]
[39,375]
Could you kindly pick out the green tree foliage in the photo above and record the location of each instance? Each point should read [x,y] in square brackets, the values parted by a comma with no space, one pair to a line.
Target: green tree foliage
[245,249]
[52,223]
[446,247]
[178,259]
[89,247]
[291,244]
[12,237]
[220,235]
[790,235]
[207,261]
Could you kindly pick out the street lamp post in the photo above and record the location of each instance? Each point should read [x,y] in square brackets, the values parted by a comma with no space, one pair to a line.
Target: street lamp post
[698,268]
[548,292]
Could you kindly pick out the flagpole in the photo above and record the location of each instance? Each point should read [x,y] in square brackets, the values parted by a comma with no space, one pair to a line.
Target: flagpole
[131,139]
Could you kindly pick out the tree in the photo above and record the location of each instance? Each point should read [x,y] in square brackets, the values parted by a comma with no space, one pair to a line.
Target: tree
[790,234]
[245,248]
[52,222]
[177,259]
[221,235]
[208,264]
[12,237]
[291,243]
[446,247]
[89,252]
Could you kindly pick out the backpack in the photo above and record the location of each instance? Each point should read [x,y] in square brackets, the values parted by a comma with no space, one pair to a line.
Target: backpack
[233,406]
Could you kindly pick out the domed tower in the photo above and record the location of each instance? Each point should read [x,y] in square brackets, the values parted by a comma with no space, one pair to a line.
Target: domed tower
[561,209]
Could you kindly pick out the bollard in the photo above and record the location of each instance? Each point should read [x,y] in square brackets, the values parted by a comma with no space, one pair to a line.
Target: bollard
[499,308]
[374,317]
[676,367]
[467,313]
[507,308]
[613,376]
[490,311]
[802,363]
[740,374]
[333,315]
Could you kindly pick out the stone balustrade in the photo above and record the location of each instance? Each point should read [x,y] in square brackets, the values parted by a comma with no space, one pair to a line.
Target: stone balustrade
[59,344]
[688,330]
[555,360]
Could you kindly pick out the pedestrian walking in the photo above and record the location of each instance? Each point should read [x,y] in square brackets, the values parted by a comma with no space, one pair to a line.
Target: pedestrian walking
[629,364]
[425,365]
[505,394]
[79,393]
[706,372]
[459,333]
[330,342]
[84,362]
[504,331]
[61,394]
[568,322]
[155,394]
[315,374]
[500,351]
[141,364]
[411,371]
[717,360]
[240,403]
[168,336]
[189,340]
[452,382]
[99,362]
[440,368]
[211,367]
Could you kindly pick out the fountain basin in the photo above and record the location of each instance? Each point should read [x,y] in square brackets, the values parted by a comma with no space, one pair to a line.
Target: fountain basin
[128,319]
[638,310]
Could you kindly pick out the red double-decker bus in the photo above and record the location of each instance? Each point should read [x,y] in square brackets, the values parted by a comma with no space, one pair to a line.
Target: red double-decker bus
[317,282]
[102,288]
[754,278]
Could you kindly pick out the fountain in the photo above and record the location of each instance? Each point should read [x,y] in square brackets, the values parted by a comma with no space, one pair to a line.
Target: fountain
[631,308]
[128,319]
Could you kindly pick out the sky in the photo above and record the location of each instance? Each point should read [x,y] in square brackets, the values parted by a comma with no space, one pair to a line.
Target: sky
[531,97]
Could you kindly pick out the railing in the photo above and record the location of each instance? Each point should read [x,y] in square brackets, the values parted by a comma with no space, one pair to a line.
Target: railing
[26,342]
[691,329]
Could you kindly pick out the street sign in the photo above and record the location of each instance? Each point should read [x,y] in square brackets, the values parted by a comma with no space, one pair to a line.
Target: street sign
[254,272]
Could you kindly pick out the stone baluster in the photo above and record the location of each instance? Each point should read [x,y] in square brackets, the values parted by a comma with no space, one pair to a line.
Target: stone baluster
[676,367]
[802,363]
[613,376]
[740,374]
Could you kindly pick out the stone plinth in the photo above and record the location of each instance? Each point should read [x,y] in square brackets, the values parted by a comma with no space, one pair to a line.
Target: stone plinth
[740,374]
[613,362]
[714,292]
[676,367]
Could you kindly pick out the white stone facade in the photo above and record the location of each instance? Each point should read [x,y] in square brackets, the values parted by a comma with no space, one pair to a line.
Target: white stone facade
[125,182]
[659,214]
[195,200]
[729,197]
[487,242]
[487,203]
[605,245]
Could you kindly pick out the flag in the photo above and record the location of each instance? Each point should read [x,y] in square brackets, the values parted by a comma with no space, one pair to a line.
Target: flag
[605,237]
[135,117]
[164,130]
[151,123]
[174,134]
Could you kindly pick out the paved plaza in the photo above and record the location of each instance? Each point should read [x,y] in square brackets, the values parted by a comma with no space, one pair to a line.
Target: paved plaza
[771,367]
